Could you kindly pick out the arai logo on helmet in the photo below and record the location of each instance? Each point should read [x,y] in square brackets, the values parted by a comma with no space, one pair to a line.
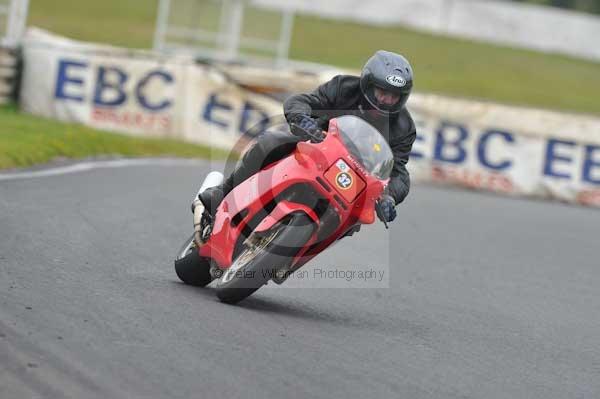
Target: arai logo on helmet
[396,80]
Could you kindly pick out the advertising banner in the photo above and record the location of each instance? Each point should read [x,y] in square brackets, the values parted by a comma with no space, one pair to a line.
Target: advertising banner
[137,92]
[483,146]
[508,150]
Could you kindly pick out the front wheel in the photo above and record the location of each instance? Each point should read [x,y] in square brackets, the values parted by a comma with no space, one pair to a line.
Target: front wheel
[256,264]
[190,267]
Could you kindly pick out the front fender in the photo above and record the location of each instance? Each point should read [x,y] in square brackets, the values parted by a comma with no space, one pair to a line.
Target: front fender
[281,210]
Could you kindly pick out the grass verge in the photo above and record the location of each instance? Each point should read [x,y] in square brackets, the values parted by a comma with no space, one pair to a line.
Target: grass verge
[27,140]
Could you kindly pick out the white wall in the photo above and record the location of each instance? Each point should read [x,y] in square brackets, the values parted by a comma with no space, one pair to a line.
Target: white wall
[504,22]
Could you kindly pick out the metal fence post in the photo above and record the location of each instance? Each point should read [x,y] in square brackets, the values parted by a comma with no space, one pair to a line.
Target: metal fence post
[162,24]
[285,37]
[16,19]
[236,10]
[228,40]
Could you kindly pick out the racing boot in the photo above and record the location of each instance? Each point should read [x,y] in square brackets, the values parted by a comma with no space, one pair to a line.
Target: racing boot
[250,163]
[212,196]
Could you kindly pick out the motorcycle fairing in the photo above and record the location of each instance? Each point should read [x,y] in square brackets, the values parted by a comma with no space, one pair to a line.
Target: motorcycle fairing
[259,194]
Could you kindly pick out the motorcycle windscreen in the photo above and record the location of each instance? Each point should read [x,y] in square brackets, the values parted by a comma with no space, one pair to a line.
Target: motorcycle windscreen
[345,180]
[366,145]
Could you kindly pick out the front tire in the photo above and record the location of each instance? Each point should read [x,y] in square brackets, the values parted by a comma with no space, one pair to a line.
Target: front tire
[190,267]
[254,266]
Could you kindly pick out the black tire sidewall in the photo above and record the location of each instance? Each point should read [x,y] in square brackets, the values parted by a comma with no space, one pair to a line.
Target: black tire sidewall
[193,269]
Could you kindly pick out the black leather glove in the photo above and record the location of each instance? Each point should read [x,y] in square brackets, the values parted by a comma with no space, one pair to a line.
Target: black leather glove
[309,129]
[386,211]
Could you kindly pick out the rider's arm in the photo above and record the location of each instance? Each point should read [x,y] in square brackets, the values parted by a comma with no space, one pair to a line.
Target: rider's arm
[399,183]
[324,98]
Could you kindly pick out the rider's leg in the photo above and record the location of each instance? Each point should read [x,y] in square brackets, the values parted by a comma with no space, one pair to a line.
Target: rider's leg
[265,149]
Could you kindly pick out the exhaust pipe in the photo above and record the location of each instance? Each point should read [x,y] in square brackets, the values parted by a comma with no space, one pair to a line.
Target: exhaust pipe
[214,178]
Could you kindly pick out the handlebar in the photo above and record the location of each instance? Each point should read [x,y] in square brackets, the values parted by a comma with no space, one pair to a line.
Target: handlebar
[379,212]
[306,133]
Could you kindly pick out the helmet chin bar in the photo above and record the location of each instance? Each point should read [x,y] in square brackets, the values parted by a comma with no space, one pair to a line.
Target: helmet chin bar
[382,109]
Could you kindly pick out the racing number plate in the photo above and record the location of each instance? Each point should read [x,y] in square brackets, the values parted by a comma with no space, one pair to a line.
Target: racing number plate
[345,180]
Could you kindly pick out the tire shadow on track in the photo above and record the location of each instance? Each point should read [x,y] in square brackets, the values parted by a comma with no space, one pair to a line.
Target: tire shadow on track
[273,305]
[300,309]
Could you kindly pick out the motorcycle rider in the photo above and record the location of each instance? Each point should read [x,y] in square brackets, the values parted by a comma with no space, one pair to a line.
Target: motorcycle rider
[378,96]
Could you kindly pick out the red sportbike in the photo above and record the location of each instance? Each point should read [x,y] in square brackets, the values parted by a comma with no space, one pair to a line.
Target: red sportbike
[274,222]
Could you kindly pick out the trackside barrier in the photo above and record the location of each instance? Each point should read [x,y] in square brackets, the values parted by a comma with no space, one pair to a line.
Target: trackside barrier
[13,16]
[137,92]
[483,146]
[508,150]
[9,72]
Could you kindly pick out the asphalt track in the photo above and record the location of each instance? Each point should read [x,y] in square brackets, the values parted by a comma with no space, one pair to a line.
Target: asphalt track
[488,297]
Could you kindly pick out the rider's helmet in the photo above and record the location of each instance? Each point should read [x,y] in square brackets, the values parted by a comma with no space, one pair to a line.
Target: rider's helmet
[386,81]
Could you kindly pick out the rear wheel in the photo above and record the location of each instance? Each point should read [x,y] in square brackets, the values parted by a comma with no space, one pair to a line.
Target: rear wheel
[190,267]
[262,256]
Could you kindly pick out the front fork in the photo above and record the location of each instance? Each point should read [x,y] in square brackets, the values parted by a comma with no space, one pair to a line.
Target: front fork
[201,224]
